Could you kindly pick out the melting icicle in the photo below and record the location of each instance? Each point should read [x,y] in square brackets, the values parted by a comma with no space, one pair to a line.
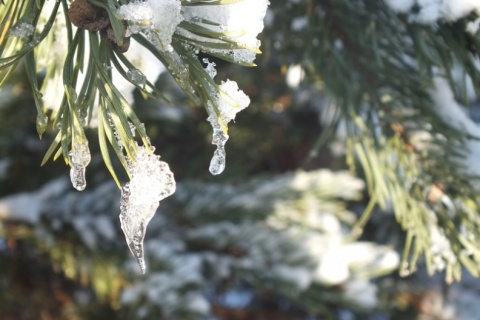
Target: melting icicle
[217,164]
[79,159]
[229,102]
[77,176]
[151,181]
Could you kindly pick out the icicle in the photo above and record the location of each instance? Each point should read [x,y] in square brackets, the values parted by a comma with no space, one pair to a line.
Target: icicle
[79,159]
[151,181]
[77,176]
[217,164]
[229,102]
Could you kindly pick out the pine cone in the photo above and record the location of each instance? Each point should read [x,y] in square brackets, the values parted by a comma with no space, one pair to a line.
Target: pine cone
[87,16]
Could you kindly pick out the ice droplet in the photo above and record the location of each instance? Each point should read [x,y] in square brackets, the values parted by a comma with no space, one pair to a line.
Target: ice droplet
[23,30]
[77,176]
[80,155]
[229,101]
[137,77]
[151,181]
[79,159]
[210,68]
[41,123]
[217,164]
[219,138]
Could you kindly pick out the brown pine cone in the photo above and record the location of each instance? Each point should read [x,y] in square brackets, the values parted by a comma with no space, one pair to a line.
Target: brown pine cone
[87,16]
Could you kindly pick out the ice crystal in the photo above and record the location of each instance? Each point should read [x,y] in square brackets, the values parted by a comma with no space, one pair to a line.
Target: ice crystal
[79,158]
[210,68]
[41,123]
[80,155]
[151,181]
[137,77]
[23,30]
[229,102]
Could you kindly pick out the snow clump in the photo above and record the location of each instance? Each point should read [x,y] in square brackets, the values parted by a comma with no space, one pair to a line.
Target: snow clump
[157,19]
[429,11]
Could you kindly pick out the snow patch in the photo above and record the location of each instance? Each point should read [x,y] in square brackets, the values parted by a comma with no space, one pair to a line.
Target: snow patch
[429,11]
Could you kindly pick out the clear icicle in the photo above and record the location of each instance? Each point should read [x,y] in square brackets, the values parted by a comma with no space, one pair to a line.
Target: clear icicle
[79,159]
[77,176]
[229,102]
[151,181]
[219,138]
[217,164]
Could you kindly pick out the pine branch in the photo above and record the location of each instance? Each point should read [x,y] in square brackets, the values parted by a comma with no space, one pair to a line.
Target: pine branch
[380,68]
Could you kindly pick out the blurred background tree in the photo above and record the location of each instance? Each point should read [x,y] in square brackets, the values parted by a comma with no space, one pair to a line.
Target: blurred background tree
[345,92]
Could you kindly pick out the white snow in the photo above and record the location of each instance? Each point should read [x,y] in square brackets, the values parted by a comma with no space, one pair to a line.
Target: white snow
[231,19]
[157,19]
[445,105]
[429,11]
[472,26]
[362,292]
[27,206]
[196,302]
[338,263]
[300,276]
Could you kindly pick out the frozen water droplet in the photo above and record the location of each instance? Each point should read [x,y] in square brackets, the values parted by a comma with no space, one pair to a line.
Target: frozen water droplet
[151,181]
[217,164]
[134,228]
[219,138]
[77,176]
[42,121]
[79,159]
[137,77]
[80,155]
[210,68]
[23,30]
